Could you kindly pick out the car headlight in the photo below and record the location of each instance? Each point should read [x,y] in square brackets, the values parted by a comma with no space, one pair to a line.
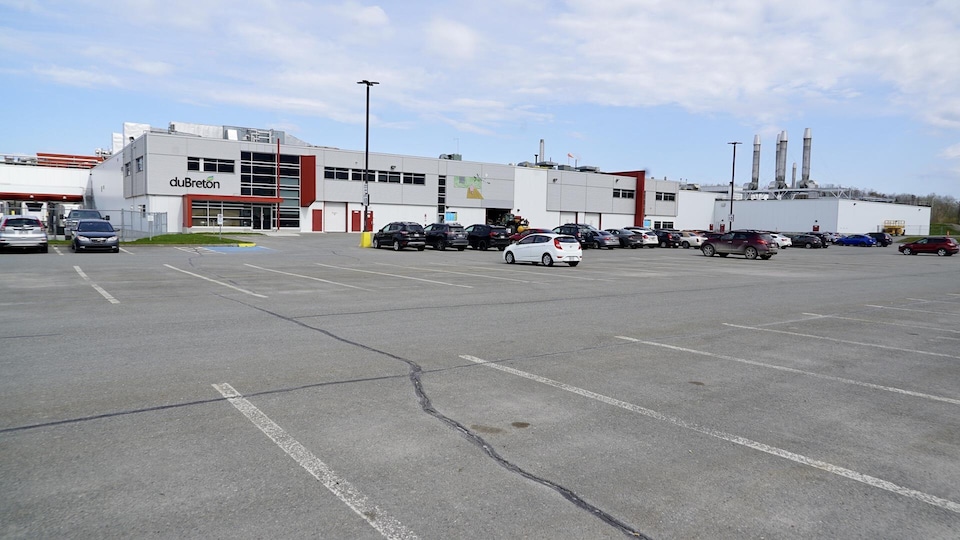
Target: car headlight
[82,238]
[112,239]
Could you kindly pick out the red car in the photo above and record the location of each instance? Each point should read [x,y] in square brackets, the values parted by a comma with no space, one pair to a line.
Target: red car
[517,236]
[941,245]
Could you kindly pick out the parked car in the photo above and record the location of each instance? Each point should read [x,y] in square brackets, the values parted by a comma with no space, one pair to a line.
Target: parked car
[399,235]
[782,240]
[599,239]
[545,249]
[94,235]
[440,236]
[650,238]
[70,222]
[575,230]
[883,239]
[806,240]
[750,244]
[941,245]
[668,238]
[861,240]
[691,239]
[627,238]
[24,232]
[825,238]
[515,237]
[482,237]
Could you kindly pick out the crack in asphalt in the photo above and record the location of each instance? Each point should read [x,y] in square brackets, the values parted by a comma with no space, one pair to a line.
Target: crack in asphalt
[427,406]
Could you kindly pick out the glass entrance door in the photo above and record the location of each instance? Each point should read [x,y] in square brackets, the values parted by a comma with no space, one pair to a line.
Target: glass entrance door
[262,217]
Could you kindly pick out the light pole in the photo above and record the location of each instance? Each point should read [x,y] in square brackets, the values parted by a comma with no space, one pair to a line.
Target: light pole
[733,175]
[366,160]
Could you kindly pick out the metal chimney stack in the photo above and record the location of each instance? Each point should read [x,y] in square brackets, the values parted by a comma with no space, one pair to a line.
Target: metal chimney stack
[755,179]
[807,143]
[782,160]
[542,156]
[776,161]
[793,182]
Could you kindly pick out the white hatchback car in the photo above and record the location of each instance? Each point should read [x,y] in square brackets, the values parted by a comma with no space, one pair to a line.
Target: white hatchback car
[650,238]
[545,249]
[781,240]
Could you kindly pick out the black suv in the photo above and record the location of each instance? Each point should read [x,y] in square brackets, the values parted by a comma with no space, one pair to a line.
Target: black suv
[668,238]
[480,236]
[400,234]
[883,239]
[577,231]
[440,236]
[751,244]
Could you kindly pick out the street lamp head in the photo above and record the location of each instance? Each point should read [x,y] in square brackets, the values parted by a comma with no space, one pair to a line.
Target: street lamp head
[368,83]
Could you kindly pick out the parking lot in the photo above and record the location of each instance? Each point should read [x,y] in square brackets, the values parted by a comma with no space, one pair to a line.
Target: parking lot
[308,387]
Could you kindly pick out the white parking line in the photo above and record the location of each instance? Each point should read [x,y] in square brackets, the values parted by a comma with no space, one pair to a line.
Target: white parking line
[915,310]
[797,371]
[385,524]
[96,287]
[905,325]
[471,274]
[838,340]
[395,275]
[742,441]
[244,291]
[307,277]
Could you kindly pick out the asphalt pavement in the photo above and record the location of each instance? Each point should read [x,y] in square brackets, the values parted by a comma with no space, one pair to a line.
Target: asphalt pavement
[308,387]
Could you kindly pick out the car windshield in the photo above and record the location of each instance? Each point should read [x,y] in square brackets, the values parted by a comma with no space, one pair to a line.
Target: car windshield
[95,226]
[84,214]
[22,222]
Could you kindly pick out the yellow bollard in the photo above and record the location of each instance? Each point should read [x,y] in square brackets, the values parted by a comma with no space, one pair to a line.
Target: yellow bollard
[366,239]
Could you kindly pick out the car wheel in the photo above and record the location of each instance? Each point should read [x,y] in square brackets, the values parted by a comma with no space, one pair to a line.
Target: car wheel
[573,263]
[461,248]
[597,245]
[907,251]
[686,245]
[396,245]
[547,260]
[808,245]
[44,249]
[709,250]
[941,252]
[482,246]
[420,248]
[750,253]
[509,258]
[116,250]
[663,244]
[376,244]
[441,245]
[501,248]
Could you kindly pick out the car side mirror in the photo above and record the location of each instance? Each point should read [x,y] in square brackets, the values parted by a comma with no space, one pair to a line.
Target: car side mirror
[107,218]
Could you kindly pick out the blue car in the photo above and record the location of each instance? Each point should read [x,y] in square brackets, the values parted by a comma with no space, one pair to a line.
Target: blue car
[856,240]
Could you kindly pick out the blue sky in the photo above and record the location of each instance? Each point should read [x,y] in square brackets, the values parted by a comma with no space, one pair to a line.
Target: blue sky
[620,84]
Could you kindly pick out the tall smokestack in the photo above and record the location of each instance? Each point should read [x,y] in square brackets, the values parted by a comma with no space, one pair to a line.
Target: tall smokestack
[782,173]
[543,156]
[776,161]
[807,143]
[793,182]
[755,179]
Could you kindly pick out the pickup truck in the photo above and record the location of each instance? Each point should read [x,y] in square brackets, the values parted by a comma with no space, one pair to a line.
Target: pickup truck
[75,215]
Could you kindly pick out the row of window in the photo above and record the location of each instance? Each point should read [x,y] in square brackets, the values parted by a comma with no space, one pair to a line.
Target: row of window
[210,164]
[661,196]
[624,193]
[393,177]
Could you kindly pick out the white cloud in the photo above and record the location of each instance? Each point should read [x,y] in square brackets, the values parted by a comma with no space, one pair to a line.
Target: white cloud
[451,40]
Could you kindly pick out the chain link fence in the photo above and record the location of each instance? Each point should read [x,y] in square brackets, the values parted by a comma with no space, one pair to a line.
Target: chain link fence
[133,224]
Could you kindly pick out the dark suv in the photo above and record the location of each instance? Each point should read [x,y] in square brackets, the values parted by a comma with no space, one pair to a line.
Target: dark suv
[577,231]
[440,236]
[883,239]
[400,234]
[750,244]
[480,236]
[668,238]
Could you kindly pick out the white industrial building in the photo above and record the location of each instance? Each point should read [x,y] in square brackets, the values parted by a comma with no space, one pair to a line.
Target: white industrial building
[192,177]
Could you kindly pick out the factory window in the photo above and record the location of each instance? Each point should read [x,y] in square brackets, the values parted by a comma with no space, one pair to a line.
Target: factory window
[662,224]
[210,164]
[126,169]
[140,164]
[388,176]
[414,178]
[336,173]
[661,196]
[624,194]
